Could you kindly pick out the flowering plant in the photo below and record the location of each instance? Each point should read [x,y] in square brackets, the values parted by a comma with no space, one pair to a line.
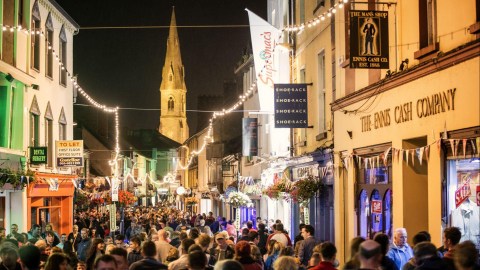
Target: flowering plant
[126,198]
[304,189]
[191,200]
[238,199]
[275,191]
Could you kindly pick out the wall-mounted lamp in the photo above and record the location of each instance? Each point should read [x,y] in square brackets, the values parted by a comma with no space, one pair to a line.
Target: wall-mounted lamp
[404,64]
[350,134]
[35,86]
[9,77]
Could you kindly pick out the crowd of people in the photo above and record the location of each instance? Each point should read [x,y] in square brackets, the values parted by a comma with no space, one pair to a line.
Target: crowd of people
[170,239]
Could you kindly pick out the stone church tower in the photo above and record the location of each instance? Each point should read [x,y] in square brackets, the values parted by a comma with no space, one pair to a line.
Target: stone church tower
[173,92]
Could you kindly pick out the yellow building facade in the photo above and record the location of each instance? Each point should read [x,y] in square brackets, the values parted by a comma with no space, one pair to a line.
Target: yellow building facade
[406,140]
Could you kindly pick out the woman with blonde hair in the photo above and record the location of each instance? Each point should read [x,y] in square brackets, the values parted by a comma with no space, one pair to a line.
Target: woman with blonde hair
[275,253]
[285,263]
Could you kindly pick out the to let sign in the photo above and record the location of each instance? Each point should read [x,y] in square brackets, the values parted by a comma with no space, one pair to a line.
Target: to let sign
[376,206]
[462,193]
[38,155]
[69,153]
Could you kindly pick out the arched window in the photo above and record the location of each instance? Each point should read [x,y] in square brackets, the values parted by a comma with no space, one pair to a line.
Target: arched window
[49,47]
[171,104]
[35,53]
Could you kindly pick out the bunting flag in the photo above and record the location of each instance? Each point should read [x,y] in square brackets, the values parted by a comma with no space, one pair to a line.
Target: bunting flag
[324,171]
[412,151]
[464,144]
[345,162]
[366,162]
[371,160]
[385,156]
[378,161]
[420,154]
[427,152]
[453,146]
[478,143]
[406,155]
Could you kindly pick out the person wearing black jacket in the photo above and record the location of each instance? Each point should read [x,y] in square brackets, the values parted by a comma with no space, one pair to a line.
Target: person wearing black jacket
[149,251]
[262,238]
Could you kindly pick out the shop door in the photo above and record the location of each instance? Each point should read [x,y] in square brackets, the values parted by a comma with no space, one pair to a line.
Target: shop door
[48,214]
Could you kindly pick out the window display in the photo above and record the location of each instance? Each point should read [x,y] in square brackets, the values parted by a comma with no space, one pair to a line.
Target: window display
[463,177]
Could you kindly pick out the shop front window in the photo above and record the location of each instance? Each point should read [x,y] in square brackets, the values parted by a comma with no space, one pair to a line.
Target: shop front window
[462,200]
[374,205]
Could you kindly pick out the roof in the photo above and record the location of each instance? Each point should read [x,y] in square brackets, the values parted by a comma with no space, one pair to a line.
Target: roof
[144,141]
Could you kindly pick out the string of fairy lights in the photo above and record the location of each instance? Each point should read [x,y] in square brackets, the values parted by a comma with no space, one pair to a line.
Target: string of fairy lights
[114,162]
[316,20]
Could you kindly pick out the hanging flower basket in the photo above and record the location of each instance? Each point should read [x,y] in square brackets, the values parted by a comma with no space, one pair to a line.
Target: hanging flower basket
[238,199]
[304,189]
[125,198]
[278,190]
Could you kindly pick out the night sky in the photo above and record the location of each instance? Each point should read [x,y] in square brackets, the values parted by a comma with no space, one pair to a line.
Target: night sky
[123,67]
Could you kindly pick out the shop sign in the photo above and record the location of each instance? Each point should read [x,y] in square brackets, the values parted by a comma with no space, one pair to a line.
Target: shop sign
[303,172]
[69,153]
[423,107]
[376,206]
[478,195]
[113,216]
[291,106]
[369,39]
[38,155]
[462,193]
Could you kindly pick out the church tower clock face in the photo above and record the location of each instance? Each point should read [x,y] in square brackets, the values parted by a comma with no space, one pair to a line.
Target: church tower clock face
[173,91]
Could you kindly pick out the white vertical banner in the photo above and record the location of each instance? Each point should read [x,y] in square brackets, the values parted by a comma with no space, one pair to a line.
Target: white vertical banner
[264,40]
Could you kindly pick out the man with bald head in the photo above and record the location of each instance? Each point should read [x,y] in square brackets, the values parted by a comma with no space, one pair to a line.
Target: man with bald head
[400,252]
[163,247]
[370,255]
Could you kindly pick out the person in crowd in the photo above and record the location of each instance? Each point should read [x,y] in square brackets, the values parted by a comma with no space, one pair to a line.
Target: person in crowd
[280,235]
[108,240]
[29,257]
[387,263]
[250,226]
[182,262]
[370,255]
[210,219]
[244,236]
[163,247]
[422,236]
[328,253]
[197,260]
[193,233]
[299,237]
[228,264]
[466,256]
[120,255]
[149,252]
[206,230]
[34,234]
[50,240]
[451,237]
[9,258]
[253,237]
[426,257]
[216,225]
[14,232]
[243,255]
[84,245]
[400,252]
[119,241]
[270,245]
[285,263]
[223,251]
[108,248]
[354,263]
[231,230]
[314,260]
[63,240]
[81,266]
[204,241]
[135,250]
[262,238]
[49,228]
[57,261]
[175,239]
[97,249]
[74,238]
[257,255]
[275,253]
[306,246]
[105,262]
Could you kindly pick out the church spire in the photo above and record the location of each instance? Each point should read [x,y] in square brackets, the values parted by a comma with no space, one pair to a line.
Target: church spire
[173,72]
[173,91]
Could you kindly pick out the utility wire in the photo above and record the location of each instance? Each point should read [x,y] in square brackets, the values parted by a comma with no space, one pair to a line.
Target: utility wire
[155,109]
[163,26]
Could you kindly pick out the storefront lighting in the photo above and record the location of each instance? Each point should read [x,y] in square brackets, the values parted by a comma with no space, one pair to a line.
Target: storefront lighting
[180,190]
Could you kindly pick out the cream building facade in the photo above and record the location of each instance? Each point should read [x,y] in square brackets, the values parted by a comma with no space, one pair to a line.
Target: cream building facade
[173,91]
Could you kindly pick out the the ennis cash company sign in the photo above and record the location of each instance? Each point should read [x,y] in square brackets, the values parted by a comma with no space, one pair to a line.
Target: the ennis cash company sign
[38,155]
[69,153]
[423,107]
